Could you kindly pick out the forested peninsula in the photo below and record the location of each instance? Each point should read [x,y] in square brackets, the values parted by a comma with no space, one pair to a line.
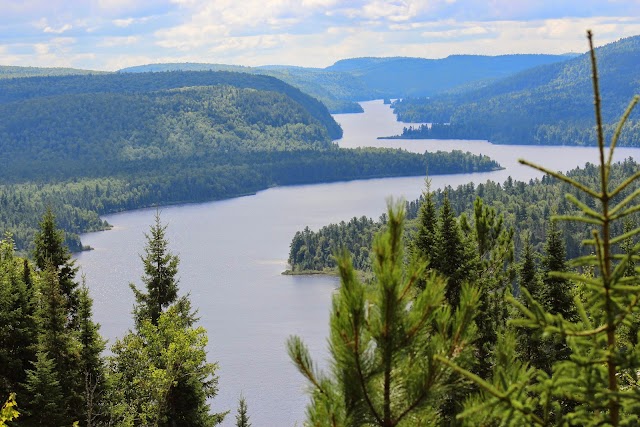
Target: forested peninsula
[87,145]
[545,105]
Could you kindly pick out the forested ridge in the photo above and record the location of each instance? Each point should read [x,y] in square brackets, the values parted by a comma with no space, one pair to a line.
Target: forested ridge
[545,105]
[91,145]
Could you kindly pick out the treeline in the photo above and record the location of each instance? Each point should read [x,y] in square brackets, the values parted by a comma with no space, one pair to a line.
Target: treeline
[525,207]
[78,202]
[546,105]
[52,360]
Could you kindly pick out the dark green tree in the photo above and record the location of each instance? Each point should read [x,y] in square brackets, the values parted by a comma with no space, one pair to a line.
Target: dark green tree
[242,417]
[160,271]
[51,251]
[46,405]
[557,292]
[165,354]
[18,332]
[91,365]
[424,242]
[450,258]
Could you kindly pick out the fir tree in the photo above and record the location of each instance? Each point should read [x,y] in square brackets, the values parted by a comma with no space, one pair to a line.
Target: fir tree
[557,292]
[423,244]
[383,340]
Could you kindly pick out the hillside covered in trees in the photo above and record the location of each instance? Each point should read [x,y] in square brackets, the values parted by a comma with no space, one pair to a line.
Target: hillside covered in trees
[545,105]
[89,145]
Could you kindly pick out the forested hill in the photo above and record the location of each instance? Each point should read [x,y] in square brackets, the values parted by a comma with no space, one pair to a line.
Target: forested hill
[550,104]
[104,133]
[9,71]
[335,90]
[90,145]
[403,77]
[12,90]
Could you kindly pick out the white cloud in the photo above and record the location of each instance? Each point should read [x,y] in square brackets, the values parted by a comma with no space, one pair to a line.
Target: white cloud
[59,30]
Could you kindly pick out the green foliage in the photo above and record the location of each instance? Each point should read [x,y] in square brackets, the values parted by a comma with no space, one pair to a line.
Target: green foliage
[546,105]
[242,419]
[158,374]
[160,270]
[598,383]
[8,412]
[383,340]
[17,325]
[151,367]
[46,405]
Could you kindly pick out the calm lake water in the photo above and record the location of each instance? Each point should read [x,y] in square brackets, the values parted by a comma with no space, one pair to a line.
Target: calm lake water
[232,253]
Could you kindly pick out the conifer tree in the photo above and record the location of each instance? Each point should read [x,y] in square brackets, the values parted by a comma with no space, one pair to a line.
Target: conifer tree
[164,357]
[56,344]
[383,340]
[51,251]
[160,271]
[600,378]
[423,244]
[46,403]
[91,366]
[450,253]
[18,332]
[242,418]
[557,291]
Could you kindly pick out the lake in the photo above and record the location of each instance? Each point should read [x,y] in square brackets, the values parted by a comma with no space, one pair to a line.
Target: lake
[233,251]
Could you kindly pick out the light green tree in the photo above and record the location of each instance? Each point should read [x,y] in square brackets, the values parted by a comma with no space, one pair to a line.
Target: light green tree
[383,342]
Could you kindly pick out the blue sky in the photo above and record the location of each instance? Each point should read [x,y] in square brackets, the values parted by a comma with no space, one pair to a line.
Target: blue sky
[112,34]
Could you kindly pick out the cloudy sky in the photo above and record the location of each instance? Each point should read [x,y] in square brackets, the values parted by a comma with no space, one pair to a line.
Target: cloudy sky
[112,34]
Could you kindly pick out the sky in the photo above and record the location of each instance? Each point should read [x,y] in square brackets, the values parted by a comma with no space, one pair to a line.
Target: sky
[113,34]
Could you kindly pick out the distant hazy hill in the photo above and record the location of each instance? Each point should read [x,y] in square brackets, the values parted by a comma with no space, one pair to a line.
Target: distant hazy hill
[550,104]
[402,77]
[360,79]
[335,90]
[12,71]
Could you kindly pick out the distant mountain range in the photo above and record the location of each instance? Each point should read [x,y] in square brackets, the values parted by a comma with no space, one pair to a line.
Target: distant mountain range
[549,104]
[361,79]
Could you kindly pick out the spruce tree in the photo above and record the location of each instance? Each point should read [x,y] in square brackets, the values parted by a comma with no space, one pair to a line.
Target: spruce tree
[383,340]
[450,253]
[423,243]
[242,417]
[18,332]
[46,404]
[557,292]
[51,251]
[57,344]
[160,271]
[91,366]
[165,354]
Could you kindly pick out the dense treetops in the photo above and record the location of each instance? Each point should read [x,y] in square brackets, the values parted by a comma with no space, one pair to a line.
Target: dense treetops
[550,104]
[525,206]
